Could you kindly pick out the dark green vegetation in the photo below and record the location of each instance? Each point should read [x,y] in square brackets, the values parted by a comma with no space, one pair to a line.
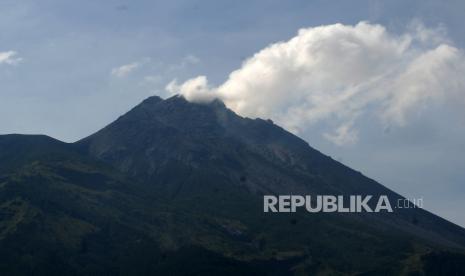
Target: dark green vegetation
[174,188]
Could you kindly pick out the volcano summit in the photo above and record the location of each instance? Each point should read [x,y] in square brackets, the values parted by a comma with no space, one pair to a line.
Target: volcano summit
[176,188]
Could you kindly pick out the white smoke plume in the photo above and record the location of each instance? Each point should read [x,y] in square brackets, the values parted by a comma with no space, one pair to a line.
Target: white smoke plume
[339,73]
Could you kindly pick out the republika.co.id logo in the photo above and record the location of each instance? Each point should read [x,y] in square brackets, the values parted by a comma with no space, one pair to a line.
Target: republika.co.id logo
[340,203]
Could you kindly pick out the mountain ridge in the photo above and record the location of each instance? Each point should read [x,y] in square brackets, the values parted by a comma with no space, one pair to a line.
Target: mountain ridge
[187,179]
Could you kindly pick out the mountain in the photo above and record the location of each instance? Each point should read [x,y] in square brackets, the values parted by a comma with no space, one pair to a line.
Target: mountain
[176,188]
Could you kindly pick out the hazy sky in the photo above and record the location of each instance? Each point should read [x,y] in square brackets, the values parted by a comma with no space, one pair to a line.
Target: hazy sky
[384,97]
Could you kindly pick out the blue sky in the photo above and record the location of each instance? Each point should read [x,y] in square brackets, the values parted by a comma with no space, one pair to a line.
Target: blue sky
[69,68]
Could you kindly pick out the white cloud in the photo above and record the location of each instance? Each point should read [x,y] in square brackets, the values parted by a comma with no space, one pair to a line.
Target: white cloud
[337,73]
[125,70]
[10,58]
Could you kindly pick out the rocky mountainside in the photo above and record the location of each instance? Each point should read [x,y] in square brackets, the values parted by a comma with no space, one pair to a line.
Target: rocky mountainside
[160,137]
[176,188]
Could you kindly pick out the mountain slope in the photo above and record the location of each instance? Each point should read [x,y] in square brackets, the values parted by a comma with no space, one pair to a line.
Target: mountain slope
[64,213]
[165,141]
[172,182]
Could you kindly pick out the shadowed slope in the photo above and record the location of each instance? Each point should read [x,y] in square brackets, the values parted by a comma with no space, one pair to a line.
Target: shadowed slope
[172,182]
